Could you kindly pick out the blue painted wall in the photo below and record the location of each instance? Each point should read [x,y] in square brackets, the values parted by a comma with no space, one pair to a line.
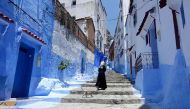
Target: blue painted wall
[168,85]
[6,51]
[67,47]
[121,66]
[36,17]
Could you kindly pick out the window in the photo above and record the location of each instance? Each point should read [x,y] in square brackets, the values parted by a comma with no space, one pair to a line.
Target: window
[148,38]
[101,44]
[182,14]
[135,54]
[98,18]
[98,21]
[74,2]
[121,53]
[135,19]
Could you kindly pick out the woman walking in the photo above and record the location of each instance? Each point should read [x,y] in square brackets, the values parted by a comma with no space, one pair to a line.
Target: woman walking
[101,80]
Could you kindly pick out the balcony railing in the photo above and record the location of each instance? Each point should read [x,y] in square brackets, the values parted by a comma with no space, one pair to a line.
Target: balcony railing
[147,61]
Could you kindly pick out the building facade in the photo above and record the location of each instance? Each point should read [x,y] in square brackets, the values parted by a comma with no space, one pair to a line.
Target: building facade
[108,43]
[25,45]
[121,39]
[87,26]
[158,53]
[72,43]
[93,9]
[35,37]
[111,55]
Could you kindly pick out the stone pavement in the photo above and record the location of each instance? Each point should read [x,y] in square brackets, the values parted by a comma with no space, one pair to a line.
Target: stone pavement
[120,94]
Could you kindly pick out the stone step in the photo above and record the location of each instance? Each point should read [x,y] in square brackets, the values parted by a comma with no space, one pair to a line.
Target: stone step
[112,82]
[94,82]
[78,98]
[122,89]
[108,91]
[105,92]
[108,81]
[103,99]
[108,85]
[98,106]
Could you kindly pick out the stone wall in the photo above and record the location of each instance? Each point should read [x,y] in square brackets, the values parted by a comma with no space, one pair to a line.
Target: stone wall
[66,46]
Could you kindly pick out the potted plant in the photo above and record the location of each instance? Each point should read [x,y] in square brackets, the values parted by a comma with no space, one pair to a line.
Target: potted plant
[62,66]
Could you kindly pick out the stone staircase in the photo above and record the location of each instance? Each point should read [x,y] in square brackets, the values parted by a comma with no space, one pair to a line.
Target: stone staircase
[120,94]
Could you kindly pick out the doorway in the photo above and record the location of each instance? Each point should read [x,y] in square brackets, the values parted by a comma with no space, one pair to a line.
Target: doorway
[153,44]
[23,72]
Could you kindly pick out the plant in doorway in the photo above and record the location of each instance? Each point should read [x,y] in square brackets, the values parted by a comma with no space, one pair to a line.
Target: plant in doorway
[62,66]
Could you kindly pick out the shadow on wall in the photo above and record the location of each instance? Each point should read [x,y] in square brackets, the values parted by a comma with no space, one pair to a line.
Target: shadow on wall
[177,89]
[120,69]
[173,84]
[69,72]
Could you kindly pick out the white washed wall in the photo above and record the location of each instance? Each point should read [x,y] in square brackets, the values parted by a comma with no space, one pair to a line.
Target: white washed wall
[70,48]
[167,45]
[185,33]
[89,8]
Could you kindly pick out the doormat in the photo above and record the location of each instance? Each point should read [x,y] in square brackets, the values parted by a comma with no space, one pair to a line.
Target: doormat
[7,103]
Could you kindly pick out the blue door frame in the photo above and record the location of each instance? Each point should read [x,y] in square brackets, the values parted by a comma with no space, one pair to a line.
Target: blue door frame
[153,44]
[23,71]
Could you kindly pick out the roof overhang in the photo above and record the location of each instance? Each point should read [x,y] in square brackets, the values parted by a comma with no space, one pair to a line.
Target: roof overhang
[27,34]
[6,18]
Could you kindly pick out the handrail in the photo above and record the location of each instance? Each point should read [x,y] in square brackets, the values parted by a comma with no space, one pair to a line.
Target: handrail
[147,60]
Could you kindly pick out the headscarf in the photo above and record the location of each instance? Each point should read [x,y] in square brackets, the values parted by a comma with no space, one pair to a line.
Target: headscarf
[102,64]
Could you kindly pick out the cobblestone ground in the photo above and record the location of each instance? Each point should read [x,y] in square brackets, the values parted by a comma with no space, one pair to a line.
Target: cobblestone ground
[120,94]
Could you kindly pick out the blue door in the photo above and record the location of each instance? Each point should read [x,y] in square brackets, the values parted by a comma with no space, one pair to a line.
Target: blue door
[82,65]
[153,44]
[23,72]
